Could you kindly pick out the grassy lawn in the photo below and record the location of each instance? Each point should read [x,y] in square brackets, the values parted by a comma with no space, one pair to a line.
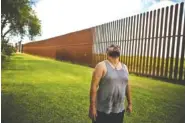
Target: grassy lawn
[40,90]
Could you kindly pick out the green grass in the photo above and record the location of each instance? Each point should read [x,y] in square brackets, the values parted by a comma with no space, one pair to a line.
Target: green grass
[40,90]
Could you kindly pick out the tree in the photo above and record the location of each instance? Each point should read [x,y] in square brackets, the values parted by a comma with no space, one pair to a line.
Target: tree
[19,19]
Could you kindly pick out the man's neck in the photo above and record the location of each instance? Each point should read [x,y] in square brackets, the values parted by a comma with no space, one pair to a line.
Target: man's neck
[114,61]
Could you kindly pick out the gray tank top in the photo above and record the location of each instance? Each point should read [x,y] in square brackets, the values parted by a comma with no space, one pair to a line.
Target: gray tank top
[111,91]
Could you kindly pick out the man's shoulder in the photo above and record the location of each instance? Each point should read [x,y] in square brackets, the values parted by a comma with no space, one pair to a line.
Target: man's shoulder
[101,64]
[125,66]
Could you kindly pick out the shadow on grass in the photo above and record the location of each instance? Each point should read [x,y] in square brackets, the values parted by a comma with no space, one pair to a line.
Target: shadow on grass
[182,120]
[14,104]
[10,110]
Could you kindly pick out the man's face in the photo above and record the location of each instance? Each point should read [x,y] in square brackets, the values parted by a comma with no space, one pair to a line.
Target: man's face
[113,52]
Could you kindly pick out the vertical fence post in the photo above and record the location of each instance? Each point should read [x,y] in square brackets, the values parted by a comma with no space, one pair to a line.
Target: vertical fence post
[182,54]
[121,39]
[144,54]
[149,47]
[136,40]
[126,36]
[152,43]
[141,48]
[155,49]
[130,45]
[168,43]
[178,40]
[139,40]
[164,42]
[173,42]
[133,45]
[160,42]
[124,39]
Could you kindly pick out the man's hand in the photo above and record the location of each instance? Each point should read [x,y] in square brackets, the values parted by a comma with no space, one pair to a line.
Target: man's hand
[92,113]
[129,108]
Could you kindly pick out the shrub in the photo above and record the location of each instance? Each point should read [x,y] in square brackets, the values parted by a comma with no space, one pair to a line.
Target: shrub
[3,57]
[7,49]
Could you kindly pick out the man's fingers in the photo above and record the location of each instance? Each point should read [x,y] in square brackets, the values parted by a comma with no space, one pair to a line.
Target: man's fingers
[94,117]
[128,110]
[91,116]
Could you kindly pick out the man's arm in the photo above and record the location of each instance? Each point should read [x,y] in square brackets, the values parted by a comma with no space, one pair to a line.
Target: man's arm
[128,95]
[128,91]
[97,74]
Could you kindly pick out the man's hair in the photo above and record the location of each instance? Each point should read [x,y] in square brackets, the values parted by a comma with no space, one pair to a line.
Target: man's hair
[113,47]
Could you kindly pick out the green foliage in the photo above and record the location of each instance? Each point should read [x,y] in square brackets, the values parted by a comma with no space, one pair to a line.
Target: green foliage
[7,49]
[18,17]
[3,57]
[42,90]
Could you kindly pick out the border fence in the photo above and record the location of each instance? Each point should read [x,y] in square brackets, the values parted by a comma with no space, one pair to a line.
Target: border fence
[152,43]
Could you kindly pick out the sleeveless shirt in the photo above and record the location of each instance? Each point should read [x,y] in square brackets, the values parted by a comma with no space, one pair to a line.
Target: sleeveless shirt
[111,91]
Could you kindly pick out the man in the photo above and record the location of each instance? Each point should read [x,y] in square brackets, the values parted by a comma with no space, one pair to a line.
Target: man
[109,86]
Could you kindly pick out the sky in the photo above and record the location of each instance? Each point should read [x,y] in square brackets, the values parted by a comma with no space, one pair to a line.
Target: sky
[64,16]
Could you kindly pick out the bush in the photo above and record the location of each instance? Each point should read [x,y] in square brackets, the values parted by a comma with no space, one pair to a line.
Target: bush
[7,49]
[3,57]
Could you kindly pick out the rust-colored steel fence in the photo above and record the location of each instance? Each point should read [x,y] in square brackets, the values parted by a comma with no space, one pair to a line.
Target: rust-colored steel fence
[152,44]
[75,47]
